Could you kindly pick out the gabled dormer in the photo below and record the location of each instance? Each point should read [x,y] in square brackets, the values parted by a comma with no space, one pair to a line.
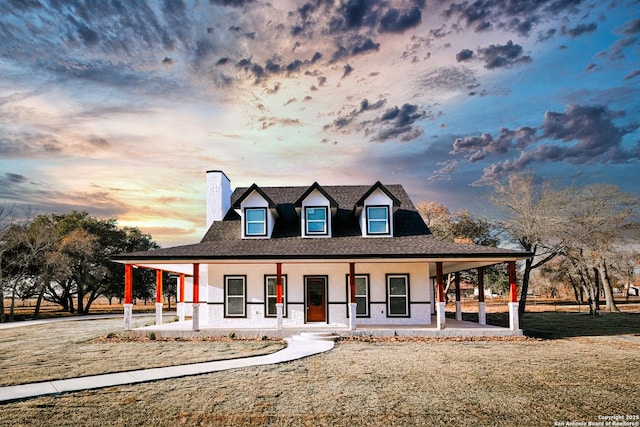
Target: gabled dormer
[257,212]
[316,210]
[375,211]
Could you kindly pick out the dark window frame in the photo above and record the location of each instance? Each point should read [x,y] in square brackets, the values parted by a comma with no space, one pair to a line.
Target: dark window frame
[407,295]
[326,221]
[246,222]
[368,220]
[226,295]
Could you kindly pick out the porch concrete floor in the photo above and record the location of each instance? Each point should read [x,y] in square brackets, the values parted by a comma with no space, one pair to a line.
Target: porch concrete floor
[453,328]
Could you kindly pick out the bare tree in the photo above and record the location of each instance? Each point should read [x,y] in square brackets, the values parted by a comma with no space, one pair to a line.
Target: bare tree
[602,222]
[532,215]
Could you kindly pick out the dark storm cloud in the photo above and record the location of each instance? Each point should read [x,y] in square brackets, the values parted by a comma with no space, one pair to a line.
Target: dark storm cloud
[15,178]
[631,27]
[397,123]
[365,105]
[464,55]
[348,69]
[517,16]
[579,135]
[633,74]
[478,147]
[357,45]
[579,30]
[502,56]
[395,21]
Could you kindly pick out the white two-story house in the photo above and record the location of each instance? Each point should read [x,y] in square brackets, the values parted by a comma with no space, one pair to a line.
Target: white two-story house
[280,257]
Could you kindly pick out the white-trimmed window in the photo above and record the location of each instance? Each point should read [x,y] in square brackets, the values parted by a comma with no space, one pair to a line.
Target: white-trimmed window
[316,220]
[398,295]
[377,219]
[255,222]
[271,297]
[235,291]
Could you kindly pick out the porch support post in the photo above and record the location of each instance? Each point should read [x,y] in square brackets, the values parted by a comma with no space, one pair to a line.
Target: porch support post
[458,300]
[352,296]
[128,296]
[440,316]
[482,309]
[181,298]
[158,297]
[513,300]
[279,304]
[195,318]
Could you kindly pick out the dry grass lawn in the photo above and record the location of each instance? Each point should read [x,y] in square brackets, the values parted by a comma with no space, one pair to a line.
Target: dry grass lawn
[517,382]
[79,348]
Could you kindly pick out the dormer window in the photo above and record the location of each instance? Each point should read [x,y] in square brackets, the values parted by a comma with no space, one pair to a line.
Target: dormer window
[377,220]
[255,221]
[316,220]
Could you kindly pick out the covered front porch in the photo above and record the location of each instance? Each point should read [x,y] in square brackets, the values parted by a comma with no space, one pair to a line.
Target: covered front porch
[430,305]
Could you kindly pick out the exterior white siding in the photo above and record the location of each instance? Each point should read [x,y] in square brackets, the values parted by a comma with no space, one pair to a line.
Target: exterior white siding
[337,293]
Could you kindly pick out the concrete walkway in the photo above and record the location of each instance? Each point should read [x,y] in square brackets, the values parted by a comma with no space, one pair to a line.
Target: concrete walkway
[299,346]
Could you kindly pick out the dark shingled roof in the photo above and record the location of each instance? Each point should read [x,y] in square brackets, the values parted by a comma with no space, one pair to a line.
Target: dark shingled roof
[412,238]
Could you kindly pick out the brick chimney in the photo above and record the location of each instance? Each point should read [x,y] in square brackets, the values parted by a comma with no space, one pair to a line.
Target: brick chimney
[218,196]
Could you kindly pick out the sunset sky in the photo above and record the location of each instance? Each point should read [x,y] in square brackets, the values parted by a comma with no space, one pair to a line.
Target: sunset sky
[120,107]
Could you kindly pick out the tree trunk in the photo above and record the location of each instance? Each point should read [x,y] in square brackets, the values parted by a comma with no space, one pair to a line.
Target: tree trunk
[596,281]
[36,312]
[13,301]
[525,288]
[608,291]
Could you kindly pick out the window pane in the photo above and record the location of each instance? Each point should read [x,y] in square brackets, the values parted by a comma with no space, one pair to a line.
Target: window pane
[255,215]
[361,286]
[397,286]
[235,305]
[377,227]
[235,287]
[377,213]
[315,227]
[255,228]
[271,306]
[397,305]
[361,306]
[316,214]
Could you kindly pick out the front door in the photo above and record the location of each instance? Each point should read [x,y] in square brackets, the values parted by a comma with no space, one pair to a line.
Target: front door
[316,299]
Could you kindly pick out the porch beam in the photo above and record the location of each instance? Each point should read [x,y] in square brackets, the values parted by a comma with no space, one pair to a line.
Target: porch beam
[180,304]
[158,297]
[128,296]
[352,296]
[458,298]
[195,318]
[514,323]
[279,304]
[482,309]
[440,309]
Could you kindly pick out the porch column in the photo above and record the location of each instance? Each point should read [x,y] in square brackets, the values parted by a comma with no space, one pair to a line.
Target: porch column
[458,299]
[482,309]
[440,316]
[513,300]
[158,297]
[352,296]
[128,296]
[181,298]
[279,304]
[195,318]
